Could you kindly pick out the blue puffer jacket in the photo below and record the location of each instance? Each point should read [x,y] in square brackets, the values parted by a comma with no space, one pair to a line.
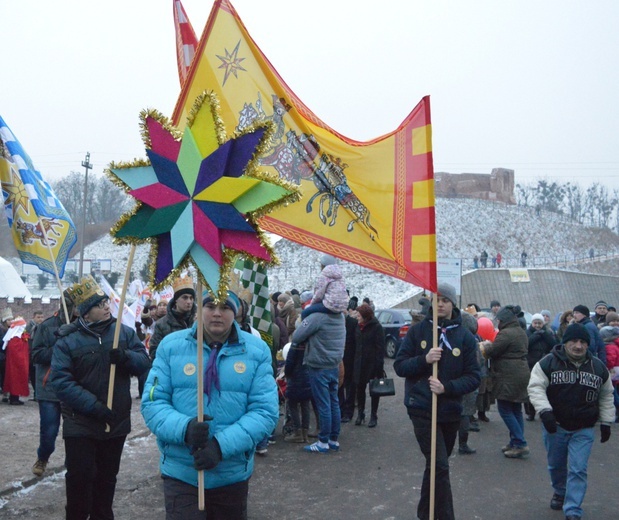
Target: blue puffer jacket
[244,410]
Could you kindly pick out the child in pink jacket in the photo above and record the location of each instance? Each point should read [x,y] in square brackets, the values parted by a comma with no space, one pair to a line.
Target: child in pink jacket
[330,295]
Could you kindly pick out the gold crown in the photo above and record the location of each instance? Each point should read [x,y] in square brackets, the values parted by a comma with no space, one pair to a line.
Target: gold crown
[87,288]
[183,282]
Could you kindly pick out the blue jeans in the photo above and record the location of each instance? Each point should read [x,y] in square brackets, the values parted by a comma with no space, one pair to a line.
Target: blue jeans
[511,413]
[324,384]
[568,456]
[49,420]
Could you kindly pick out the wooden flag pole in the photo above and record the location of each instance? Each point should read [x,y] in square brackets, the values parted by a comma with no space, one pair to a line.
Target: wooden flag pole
[51,255]
[119,319]
[434,408]
[200,385]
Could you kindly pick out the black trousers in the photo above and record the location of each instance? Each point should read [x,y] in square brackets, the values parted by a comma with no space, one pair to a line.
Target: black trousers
[222,503]
[446,433]
[92,466]
[360,390]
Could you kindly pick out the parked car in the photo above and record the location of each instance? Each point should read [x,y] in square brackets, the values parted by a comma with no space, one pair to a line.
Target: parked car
[395,323]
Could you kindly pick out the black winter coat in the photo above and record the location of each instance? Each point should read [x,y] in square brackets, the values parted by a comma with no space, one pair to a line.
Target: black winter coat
[540,344]
[458,369]
[81,373]
[173,321]
[370,352]
[41,353]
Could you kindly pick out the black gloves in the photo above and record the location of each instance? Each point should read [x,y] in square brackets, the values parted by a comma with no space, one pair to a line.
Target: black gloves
[550,423]
[106,415]
[207,457]
[605,431]
[118,356]
[196,435]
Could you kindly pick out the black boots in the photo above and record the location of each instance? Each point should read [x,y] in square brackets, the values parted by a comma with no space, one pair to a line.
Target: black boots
[373,421]
[360,418]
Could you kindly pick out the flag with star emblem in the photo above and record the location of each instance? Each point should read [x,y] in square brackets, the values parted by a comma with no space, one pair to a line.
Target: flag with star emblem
[254,277]
[369,203]
[32,209]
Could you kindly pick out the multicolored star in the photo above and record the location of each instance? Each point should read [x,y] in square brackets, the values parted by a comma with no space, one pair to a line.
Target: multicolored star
[231,63]
[199,196]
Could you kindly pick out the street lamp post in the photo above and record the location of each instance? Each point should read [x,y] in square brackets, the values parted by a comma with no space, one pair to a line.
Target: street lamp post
[86,164]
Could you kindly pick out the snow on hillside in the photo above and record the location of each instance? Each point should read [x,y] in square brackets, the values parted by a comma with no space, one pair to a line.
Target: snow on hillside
[464,228]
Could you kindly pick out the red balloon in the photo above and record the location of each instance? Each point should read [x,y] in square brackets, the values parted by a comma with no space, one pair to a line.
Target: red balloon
[485,329]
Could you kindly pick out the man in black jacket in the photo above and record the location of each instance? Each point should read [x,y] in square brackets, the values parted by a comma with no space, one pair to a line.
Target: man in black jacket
[94,434]
[49,405]
[572,390]
[458,374]
[181,312]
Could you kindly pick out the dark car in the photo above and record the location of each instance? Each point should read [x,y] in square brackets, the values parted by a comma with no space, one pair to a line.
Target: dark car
[395,323]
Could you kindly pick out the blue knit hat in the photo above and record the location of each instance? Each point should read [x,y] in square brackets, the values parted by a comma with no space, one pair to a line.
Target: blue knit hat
[232,300]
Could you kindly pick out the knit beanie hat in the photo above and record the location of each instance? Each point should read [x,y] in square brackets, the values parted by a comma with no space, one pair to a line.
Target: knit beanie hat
[546,313]
[306,296]
[537,316]
[447,291]
[609,334]
[576,331]
[611,316]
[601,303]
[508,313]
[326,260]
[583,309]
[232,300]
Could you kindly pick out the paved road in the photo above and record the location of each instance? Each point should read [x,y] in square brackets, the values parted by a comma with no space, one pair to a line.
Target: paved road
[376,475]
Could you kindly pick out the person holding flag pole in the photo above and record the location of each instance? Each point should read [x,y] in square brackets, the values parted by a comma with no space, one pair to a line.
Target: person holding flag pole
[438,359]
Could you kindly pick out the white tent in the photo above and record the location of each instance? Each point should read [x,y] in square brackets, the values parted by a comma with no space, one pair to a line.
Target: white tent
[11,285]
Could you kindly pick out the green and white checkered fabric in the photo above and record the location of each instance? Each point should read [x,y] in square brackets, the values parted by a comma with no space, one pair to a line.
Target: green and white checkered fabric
[254,277]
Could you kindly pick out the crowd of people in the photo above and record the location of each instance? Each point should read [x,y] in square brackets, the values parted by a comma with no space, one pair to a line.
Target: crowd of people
[315,370]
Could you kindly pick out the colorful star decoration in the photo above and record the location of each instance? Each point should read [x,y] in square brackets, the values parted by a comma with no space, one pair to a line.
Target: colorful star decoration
[199,196]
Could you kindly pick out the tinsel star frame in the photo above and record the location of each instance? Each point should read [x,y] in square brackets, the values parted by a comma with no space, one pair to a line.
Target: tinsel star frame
[199,196]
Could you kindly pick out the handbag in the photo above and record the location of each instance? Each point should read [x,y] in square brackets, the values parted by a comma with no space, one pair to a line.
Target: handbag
[382,387]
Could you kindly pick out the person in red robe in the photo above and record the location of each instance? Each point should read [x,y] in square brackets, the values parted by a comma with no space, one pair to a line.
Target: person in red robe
[15,345]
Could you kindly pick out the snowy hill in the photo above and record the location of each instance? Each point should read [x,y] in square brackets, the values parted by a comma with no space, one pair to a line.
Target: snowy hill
[464,228]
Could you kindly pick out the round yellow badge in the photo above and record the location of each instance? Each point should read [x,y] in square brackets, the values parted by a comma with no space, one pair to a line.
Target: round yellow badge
[456,352]
[424,344]
[239,367]
[189,369]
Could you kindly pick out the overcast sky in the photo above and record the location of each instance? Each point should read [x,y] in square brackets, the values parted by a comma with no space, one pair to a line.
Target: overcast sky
[528,85]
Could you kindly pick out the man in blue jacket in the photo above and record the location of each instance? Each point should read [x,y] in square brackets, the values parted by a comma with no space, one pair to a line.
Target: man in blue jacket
[458,374]
[240,405]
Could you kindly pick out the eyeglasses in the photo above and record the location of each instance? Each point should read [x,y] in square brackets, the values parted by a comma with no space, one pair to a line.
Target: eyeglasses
[103,303]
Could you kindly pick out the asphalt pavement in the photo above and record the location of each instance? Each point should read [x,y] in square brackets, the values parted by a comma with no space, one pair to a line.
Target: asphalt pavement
[375,476]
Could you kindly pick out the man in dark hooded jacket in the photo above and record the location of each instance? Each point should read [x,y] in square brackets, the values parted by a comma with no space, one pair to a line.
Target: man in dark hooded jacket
[49,405]
[181,312]
[94,435]
[458,374]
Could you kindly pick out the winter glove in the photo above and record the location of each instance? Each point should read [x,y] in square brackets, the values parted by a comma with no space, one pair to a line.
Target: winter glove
[196,435]
[550,423]
[207,457]
[605,430]
[118,356]
[106,415]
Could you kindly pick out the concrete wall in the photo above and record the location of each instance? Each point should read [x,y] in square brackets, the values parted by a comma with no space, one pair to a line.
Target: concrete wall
[551,289]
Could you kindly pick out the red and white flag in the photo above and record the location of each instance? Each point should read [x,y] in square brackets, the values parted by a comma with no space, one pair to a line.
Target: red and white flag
[186,41]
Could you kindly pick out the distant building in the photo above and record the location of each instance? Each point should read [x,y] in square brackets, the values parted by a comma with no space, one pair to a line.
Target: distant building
[498,186]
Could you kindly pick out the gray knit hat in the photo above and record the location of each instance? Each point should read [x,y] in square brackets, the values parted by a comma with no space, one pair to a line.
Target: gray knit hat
[447,291]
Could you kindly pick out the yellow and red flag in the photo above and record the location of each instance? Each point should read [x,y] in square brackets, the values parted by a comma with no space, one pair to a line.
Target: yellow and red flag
[370,203]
